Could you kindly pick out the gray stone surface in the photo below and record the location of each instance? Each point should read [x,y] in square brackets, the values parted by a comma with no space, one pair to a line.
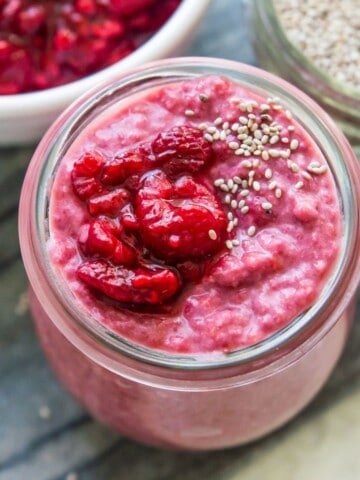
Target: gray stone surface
[322,443]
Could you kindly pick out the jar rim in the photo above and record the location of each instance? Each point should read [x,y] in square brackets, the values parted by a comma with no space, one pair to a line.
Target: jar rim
[344,89]
[333,297]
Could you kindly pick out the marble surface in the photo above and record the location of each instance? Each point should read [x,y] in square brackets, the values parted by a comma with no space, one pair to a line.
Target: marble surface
[45,435]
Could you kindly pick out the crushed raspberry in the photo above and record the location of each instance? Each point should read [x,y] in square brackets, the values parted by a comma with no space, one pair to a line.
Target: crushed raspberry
[141,285]
[108,203]
[122,166]
[84,173]
[102,239]
[175,224]
[182,150]
[44,44]
[147,211]
[126,8]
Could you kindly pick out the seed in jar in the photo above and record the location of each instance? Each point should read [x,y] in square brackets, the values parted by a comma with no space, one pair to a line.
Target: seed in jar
[230,183]
[218,182]
[189,113]
[266,206]
[216,135]
[251,231]
[265,155]
[244,209]
[274,153]
[256,186]
[246,164]
[306,175]
[278,193]
[222,135]
[272,185]
[237,180]
[294,167]
[212,234]
[230,226]
[234,145]
[268,173]
[274,139]
[294,144]
[229,244]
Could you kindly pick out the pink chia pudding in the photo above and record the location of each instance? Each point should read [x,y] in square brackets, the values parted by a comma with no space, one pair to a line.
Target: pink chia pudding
[194,218]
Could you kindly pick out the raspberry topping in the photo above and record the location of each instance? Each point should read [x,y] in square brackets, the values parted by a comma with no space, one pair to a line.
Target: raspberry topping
[102,238]
[175,219]
[142,285]
[84,175]
[122,166]
[44,44]
[154,225]
[182,150]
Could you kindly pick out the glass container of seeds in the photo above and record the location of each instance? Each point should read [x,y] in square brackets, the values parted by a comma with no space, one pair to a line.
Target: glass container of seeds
[316,46]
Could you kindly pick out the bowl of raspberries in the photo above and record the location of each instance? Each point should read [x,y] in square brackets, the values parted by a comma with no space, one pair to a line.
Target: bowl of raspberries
[51,52]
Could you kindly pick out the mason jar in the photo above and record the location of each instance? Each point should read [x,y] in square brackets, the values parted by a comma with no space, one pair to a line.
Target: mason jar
[188,401]
[276,53]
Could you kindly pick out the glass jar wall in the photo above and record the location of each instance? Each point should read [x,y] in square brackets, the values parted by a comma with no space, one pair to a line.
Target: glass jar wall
[191,402]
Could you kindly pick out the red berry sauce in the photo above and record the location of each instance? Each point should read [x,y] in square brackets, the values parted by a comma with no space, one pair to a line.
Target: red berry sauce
[45,44]
[144,244]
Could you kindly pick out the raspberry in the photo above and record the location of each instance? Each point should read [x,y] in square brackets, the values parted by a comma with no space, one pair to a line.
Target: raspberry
[89,164]
[143,285]
[126,7]
[128,218]
[108,203]
[191,271]
[101,239]
[122,166]
[175,222]
[167,215]
[32,18]
[58,42]
[83,175]
[182,150]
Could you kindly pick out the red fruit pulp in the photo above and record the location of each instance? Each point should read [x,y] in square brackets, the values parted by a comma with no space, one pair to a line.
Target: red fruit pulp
[148,210]
[175,225]
[141,285]
[44,44]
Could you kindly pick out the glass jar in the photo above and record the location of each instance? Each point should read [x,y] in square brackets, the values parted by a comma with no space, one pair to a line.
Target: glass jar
[276,53]
[185,401]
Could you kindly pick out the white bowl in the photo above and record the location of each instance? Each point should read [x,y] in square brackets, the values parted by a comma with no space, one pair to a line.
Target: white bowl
[25,117]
